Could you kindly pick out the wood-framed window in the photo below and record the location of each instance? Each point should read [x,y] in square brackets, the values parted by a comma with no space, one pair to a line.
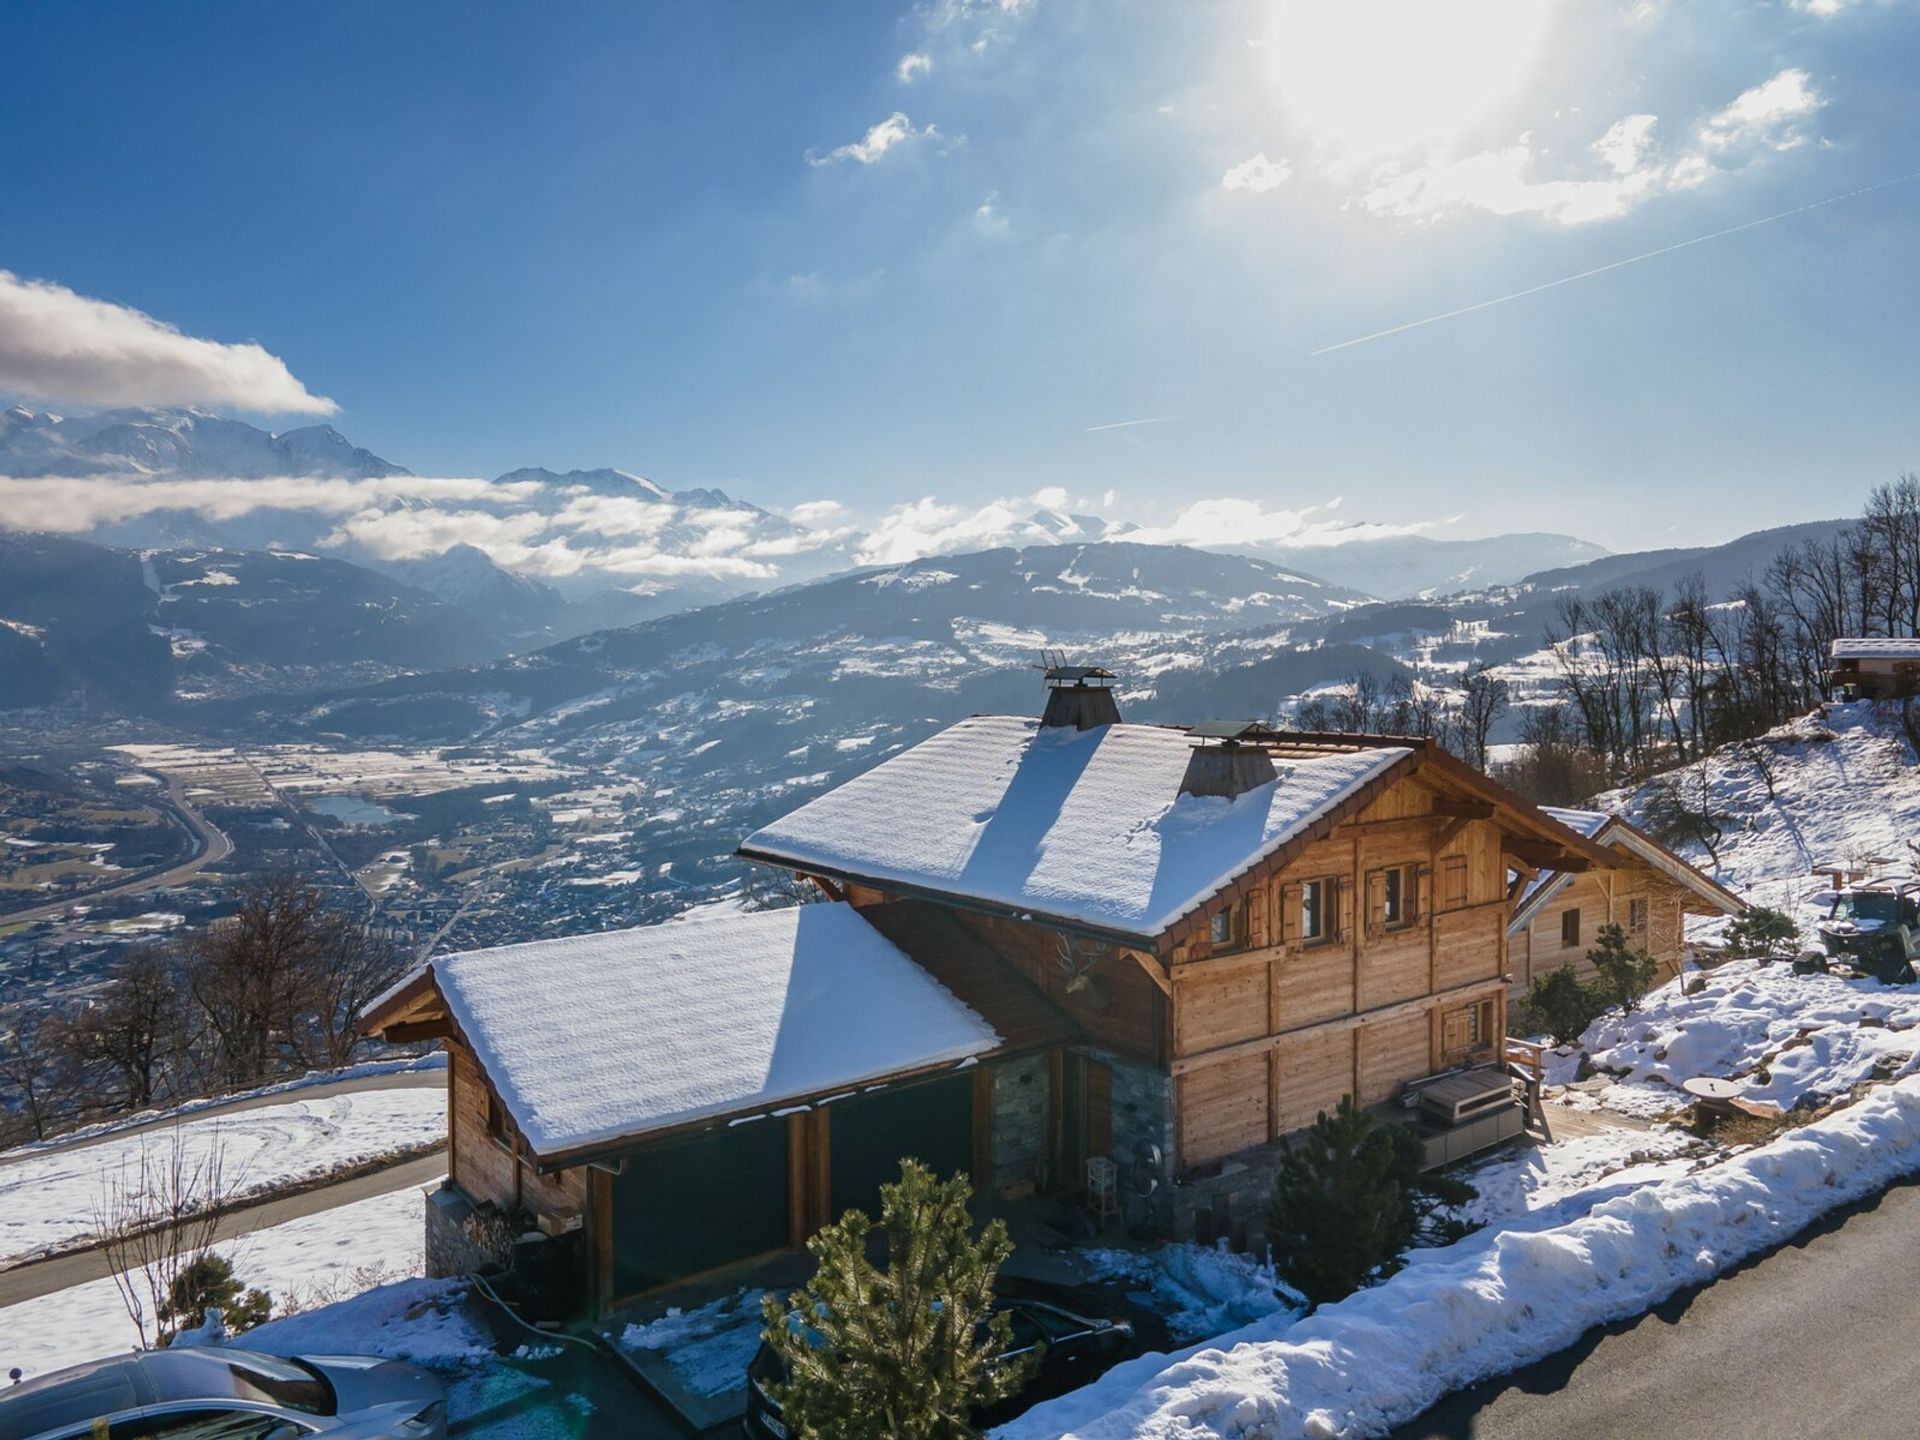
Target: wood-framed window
[1570,928]
[497,1122]
[1399,897]
[1637,914]
[1319,919]
[1465,1030]
[1227,928]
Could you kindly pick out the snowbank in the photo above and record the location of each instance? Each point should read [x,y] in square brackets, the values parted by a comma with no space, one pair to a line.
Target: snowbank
[333,1251]
[1493,1302]
[48,1197]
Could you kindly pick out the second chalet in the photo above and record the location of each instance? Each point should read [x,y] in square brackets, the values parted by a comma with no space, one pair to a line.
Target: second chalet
[1048,951]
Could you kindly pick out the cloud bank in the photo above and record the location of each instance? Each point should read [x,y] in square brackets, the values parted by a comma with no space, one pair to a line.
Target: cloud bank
[62,346]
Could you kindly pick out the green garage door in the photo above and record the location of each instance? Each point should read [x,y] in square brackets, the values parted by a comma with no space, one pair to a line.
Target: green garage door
[690,1205]
[870,1134]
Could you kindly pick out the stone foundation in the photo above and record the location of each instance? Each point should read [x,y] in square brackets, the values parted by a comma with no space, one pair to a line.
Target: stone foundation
[450,1249]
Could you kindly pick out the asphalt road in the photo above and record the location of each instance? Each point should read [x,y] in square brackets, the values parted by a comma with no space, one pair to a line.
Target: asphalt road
[44,1277]
[1817,1339]
[211,845]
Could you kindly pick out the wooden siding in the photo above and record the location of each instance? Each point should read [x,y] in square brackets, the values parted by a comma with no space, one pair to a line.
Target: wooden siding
[1119,1008]
[1602,898]
[487,1168]
[1272,1031]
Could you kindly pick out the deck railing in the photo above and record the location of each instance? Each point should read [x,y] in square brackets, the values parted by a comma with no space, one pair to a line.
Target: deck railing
[1526,1062]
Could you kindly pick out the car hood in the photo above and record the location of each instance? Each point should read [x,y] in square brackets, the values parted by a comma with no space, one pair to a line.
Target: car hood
[361,1382]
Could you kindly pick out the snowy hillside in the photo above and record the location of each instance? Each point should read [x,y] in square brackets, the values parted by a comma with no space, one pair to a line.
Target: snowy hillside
[1837,785]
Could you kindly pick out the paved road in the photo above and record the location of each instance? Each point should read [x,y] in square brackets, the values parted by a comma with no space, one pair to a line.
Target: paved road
[1815,1340]
[44,1277]
[211,845]
[431,1079]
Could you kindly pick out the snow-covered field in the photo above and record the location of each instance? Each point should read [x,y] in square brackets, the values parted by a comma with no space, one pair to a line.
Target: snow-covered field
[317,1257]
[49,1196]
[1494,1301]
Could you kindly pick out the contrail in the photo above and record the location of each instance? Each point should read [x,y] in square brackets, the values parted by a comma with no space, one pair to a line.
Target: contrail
[1129,424]
[1614,265]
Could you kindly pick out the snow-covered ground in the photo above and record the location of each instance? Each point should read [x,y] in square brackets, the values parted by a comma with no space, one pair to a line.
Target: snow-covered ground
[708,1347]
[306,1261]
[1791,1039]
[1497,1300]
[49,1195]
[1836,785]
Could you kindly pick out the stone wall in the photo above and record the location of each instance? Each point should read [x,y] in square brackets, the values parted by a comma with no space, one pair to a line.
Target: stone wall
[1019,1119]
[450,1248]
[1142,1116]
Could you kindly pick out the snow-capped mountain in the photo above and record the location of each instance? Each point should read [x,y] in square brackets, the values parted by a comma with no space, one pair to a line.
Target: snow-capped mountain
[176,443]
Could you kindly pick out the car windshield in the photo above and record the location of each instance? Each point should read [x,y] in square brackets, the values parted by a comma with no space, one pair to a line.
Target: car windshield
[214,1375]
[1860,905]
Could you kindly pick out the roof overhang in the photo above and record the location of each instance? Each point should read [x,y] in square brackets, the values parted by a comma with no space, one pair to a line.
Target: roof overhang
[1621,836]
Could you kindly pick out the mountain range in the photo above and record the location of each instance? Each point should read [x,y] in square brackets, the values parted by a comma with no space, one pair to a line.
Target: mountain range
[616,544]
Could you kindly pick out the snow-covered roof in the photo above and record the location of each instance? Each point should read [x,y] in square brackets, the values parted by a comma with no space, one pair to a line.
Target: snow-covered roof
[1582,822]
[1083,826]
[1876,648]
[1619,835]
[600,1038]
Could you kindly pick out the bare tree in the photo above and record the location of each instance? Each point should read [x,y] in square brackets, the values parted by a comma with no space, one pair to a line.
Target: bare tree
[156,1219]
[1484,700]
[121,1042]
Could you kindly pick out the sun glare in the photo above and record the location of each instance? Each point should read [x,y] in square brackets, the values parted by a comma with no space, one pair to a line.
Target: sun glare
[1377,77]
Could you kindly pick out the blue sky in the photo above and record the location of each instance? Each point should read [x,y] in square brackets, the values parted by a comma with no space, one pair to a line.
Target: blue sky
[756,246]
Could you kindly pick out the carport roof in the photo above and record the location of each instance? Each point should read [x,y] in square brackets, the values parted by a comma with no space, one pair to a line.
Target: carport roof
[596,1040]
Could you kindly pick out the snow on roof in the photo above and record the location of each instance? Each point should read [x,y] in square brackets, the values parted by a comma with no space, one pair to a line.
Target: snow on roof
[598,1038]
[1876,648]
[1582,822]
[1085,826]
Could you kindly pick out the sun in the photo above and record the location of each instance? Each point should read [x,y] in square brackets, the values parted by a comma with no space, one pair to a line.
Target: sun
[1368,78]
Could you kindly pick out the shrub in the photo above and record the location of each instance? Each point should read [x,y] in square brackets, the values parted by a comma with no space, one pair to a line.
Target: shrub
[1565,1004]
[1349,1198]
[1626,972]
[1762,934]
[210,1284]
[908,1351]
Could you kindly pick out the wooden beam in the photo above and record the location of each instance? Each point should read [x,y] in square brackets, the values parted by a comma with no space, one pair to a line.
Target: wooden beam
[1448,832]
[407,1032]
[1544,856]
[1458,995]
[1463,809]
[828,888]
[1156,972]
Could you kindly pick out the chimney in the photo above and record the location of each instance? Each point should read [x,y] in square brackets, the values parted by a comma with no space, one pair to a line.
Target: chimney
[1230,758]
[1079,697]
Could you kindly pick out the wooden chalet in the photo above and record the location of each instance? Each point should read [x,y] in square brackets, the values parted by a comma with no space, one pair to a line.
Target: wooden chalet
[1874,668]
[1042,943]
[1648,893]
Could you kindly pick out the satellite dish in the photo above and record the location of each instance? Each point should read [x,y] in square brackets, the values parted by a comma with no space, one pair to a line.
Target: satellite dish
[1146,1168]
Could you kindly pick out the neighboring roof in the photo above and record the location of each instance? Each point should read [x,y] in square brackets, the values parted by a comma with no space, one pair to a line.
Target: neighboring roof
[1617,834]
[599,1039]
[1085,828]
[1876,648]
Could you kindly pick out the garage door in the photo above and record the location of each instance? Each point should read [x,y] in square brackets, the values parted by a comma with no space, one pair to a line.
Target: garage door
[870,1134]
[690,1205]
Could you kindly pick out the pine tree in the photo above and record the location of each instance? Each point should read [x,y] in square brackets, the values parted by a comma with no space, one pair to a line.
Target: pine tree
[1349,1198]
[1762,933]
[210,1284]
[1565,1004]
[1625,971]
[904,1353]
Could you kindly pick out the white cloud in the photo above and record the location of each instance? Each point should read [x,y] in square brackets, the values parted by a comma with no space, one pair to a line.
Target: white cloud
[913,65]
[990,220]
[72,505]
[1772,116]
[894,133]
[1233,521]
[62,346]
[1825,9]
[1257,175]
[816,513]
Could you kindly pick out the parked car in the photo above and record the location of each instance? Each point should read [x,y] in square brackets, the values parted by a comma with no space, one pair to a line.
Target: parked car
[219,1394]
[1078,1348]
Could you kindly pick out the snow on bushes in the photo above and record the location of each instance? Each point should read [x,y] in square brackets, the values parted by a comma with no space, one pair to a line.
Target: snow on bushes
[1494,1301]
